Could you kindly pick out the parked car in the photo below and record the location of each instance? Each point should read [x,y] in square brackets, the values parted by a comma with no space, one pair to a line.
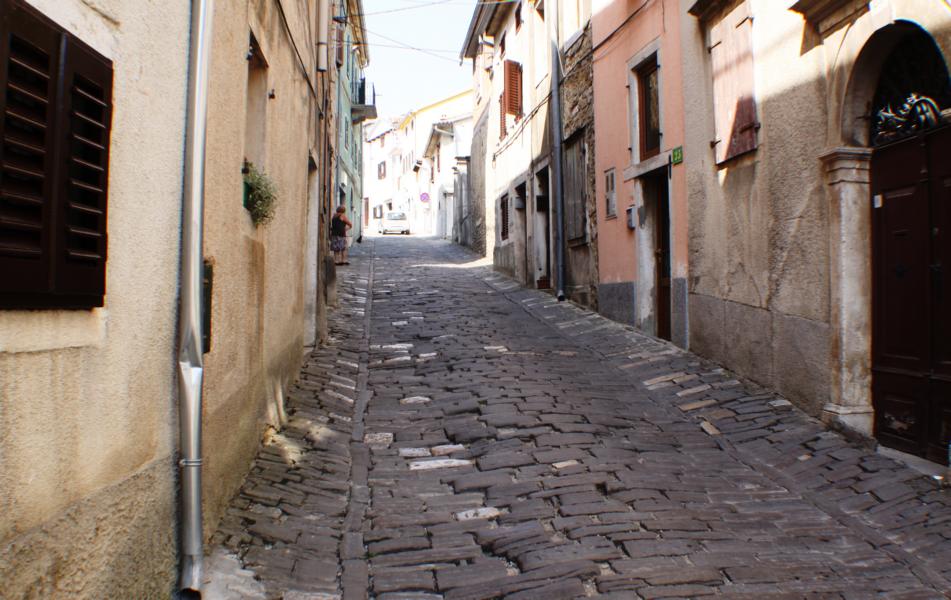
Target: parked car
[394,222]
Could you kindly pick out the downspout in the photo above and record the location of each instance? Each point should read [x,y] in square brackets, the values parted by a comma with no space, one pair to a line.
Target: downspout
[190,368]
[323,34]
[556,154]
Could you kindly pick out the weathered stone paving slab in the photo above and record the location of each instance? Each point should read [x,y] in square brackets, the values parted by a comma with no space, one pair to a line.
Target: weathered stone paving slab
[489,442]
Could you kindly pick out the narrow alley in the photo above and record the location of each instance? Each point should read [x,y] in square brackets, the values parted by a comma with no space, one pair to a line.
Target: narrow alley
[462,437]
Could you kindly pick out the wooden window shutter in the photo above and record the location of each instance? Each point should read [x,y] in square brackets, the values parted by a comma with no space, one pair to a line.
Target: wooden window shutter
[504,217]
[513,88]
[735,114]
[83,187]
[574,178]
[28,102]
[339,42]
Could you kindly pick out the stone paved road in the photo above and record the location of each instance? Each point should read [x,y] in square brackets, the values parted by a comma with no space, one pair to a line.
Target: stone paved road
[463,438]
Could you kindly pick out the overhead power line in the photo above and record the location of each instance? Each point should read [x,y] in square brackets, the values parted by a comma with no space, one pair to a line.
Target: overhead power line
[411,47]
[431,4]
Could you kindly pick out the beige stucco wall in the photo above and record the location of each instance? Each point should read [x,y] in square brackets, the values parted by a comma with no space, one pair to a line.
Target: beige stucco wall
[763,270]
[258,299]
[87,411]
[759,285]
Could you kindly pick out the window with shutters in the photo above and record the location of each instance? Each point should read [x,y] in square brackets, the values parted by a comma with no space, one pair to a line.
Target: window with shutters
[256,101]
[510,102]
[731,55]
[339,44]
[381,170]
[54,159]
[610,196]
[574,180]
[504,217]
[648,96]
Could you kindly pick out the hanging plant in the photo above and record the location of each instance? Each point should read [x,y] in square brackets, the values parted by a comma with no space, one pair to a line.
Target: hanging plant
[260,194]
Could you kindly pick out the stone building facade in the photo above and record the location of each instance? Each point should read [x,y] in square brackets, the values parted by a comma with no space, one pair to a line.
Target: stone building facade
[794,150]
[89,473]
[400,176]
[512,151]
[87,389]
[641,208]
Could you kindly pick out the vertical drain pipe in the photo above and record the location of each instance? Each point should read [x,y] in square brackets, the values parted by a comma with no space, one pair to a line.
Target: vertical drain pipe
[190,368]
[556,153]
[323,34]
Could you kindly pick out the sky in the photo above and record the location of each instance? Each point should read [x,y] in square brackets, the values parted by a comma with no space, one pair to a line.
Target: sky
[408,79]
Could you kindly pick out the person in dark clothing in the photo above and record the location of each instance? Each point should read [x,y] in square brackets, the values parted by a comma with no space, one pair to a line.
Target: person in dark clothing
[338,235]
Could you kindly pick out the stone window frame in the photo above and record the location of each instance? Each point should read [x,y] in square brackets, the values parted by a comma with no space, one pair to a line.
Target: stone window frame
[640,165]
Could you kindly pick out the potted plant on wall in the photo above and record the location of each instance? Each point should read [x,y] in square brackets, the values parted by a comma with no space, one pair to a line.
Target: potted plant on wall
[260,194]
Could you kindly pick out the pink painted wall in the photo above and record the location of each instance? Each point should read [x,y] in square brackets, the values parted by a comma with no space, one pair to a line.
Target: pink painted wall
[614,44]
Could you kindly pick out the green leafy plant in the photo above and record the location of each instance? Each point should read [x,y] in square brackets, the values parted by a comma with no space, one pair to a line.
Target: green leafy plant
[260,194]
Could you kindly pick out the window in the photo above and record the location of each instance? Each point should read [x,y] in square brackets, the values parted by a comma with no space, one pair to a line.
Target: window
[381,170]
[510,102]
[610,197]
[574,176]
[255,110]
[339,34]
[504,217]
[648,96]
[54,160]
[734,104]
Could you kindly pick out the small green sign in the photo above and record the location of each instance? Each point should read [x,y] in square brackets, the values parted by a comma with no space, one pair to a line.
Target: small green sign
[677,156]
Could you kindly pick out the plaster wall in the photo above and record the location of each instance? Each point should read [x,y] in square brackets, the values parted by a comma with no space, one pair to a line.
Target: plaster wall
[87,398]
[515,159]
[258,308]
[779,244]
[625,256]
[759,239]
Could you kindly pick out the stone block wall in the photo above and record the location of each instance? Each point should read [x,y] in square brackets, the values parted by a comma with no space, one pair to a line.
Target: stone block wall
[577,95]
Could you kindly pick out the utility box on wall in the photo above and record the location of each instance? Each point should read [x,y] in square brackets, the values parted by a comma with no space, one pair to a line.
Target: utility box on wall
[630,218]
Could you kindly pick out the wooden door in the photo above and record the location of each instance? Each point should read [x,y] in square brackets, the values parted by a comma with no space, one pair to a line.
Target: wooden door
[659,189]
[939,417]
[911,351]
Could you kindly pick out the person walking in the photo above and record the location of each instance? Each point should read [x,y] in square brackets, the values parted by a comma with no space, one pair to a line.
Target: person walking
[338,235]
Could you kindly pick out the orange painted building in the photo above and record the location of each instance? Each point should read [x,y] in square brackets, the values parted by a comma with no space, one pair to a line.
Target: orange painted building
[640,183]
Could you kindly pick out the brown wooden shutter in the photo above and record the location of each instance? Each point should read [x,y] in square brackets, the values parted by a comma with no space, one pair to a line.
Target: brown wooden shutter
[735,114]
[504,217]
[574,180]
[513,88]
[339,38]
[31,49]
[80,266]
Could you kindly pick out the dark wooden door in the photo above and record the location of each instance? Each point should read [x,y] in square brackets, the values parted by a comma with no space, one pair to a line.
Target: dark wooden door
[939,418]
[911,351]
[661,216]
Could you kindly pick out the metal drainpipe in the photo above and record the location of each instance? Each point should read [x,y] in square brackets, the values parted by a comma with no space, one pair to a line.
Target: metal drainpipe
[556,154]
[190,368]
[323,34]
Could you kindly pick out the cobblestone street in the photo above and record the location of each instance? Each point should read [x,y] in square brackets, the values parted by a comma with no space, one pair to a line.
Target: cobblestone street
[463,438]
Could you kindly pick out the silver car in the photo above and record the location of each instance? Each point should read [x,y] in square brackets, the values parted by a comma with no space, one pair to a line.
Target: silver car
[394,222]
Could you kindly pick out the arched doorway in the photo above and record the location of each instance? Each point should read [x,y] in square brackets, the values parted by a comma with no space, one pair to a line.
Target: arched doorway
[911,245]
